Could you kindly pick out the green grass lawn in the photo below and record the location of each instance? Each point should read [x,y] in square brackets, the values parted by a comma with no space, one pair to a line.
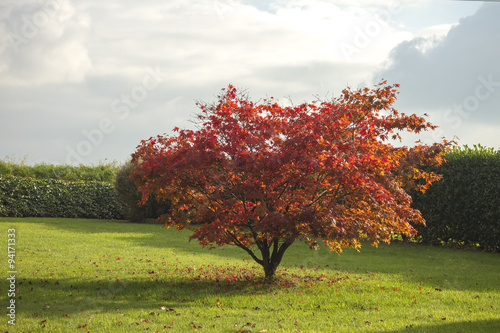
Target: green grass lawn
[78,275]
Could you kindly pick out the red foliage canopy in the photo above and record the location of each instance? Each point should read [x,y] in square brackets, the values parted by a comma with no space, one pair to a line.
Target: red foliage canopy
[266,175]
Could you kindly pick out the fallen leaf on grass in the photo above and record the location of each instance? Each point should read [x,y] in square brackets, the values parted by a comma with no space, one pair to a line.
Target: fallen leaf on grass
[167,309]
[193,325]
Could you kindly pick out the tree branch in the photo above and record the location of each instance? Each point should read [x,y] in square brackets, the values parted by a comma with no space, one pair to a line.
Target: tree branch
[241,246]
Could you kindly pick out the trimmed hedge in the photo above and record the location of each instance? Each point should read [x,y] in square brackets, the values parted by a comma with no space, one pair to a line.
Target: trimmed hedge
[23,197]
[464,207]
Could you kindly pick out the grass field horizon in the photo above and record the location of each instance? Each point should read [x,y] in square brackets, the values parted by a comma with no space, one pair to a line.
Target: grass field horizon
[114,276]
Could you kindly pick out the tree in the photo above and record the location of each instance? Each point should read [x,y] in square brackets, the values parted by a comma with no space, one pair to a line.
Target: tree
[262,176]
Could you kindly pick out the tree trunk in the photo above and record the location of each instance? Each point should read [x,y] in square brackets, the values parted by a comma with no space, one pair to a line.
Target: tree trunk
[271,260]
[270,271]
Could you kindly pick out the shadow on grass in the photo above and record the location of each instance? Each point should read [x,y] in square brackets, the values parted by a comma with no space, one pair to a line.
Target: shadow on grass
[53,298]
[479,326]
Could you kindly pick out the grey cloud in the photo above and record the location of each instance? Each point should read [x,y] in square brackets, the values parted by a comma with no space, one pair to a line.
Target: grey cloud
[460,72]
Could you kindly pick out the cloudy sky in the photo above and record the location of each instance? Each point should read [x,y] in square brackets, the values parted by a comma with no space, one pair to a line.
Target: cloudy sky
[85,81]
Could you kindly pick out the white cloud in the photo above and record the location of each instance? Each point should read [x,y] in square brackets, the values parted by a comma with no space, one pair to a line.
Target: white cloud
[44,43]
[435,31]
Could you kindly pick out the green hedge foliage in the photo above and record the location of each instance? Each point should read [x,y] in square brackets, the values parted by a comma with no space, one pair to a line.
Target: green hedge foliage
[24,197]
[464,207]
[101,172]
[130,196]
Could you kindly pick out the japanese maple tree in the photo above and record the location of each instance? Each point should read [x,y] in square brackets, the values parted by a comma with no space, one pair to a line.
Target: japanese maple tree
[262,176]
